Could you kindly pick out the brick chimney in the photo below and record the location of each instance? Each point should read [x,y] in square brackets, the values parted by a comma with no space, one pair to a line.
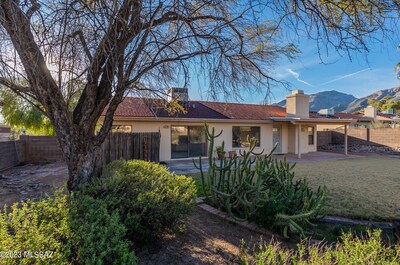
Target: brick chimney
[297,105]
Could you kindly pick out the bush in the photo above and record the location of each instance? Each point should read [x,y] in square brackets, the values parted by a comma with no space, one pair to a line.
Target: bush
[351,250]
[147,196]
[63,230]
[98,234]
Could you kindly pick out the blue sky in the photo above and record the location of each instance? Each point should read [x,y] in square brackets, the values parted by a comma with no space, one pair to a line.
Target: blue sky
[360,76]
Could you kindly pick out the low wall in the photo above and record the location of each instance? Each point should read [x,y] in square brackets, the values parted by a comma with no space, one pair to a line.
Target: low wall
[9,153]
[41,149]
[389,137]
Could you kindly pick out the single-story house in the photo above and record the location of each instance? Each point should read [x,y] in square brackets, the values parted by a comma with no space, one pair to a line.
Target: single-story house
[5,132]
[182,134]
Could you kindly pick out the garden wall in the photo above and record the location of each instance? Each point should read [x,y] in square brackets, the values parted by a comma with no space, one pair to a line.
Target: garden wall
[389,137]
[34,149]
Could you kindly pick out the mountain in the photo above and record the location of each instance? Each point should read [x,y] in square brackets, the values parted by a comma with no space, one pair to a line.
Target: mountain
[326,100]
[361,103]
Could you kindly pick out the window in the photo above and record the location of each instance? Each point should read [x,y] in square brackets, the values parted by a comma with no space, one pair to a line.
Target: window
[310,131]
[121,128]
[241,135]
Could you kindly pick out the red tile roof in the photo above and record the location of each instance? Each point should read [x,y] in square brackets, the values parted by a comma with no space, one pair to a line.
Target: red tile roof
[132,107]
[142,107]
[246,111]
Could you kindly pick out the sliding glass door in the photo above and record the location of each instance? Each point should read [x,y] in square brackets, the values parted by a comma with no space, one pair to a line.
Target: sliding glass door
[188,141]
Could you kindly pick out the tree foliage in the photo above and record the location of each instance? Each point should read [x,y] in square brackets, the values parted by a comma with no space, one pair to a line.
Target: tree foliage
[386,103]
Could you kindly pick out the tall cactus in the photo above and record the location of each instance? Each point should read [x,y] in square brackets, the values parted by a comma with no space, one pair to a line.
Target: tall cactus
[249,184]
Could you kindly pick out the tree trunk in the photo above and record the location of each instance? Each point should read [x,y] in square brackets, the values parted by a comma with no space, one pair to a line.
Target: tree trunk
[83,163]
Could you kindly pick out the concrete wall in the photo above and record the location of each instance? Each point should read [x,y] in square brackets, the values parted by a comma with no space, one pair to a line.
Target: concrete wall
[10,153]
[370,136]
[41,148]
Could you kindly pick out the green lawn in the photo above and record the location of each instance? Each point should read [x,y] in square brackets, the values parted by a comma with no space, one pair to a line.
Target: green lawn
[366,188]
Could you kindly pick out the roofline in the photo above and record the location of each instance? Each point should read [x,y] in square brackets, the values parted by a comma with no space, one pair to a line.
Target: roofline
[314,121]
[128,118]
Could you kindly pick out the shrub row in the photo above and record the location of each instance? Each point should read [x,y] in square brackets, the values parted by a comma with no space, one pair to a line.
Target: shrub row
[102,223]
[349,250]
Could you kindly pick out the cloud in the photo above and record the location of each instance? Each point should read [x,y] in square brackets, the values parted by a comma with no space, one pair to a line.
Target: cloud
[345,76]
[297,76]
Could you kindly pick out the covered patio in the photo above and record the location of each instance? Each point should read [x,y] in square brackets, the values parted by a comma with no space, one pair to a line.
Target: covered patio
[298,132]
[185,166]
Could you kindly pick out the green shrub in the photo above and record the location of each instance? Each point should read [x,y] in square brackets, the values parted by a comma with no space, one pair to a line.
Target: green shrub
[63,230]
[147,196]
[33,227]
[98,234]
[350,250]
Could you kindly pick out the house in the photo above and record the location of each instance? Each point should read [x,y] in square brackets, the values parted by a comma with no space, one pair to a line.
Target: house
[359,121]
[5,132]
[182,135]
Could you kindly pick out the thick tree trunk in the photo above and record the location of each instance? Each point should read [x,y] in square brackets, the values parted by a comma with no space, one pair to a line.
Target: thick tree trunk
[83,163]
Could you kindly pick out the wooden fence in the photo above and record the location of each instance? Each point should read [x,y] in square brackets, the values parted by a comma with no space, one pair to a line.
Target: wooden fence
[34,149]
[143,146]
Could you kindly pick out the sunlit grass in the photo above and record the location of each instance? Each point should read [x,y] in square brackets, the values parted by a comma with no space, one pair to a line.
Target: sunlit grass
[366,188]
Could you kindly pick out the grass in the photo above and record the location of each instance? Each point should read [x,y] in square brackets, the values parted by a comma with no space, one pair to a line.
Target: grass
[363,188]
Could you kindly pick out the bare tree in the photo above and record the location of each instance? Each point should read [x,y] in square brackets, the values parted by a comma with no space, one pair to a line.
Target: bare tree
[111,46]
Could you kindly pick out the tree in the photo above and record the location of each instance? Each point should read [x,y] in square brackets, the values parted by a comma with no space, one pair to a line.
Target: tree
[386,103]
[116,46]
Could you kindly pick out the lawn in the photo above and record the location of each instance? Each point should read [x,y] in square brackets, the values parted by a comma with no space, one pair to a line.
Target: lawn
[367,188]
[364,188]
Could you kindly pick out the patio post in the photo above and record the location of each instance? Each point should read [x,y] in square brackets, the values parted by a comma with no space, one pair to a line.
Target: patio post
[345,139]
[298,141]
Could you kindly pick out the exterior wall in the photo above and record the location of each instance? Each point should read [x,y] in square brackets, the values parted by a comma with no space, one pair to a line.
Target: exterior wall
[288,143]
[164,127]
[326,127]
[304,146]
[41,148]
[9,155]
[389,137]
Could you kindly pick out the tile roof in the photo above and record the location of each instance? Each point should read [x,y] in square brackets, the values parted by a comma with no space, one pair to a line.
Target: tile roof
[246,111]
[147,107]
[340,115]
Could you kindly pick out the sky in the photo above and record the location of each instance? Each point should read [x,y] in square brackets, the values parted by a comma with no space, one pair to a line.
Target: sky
[360,75]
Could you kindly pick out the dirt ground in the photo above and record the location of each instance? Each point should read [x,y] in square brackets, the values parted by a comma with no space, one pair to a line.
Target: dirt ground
[207,240]
[30,181]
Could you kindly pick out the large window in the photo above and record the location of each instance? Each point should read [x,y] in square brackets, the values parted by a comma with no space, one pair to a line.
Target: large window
[310,131]
[121,128]
[241,135]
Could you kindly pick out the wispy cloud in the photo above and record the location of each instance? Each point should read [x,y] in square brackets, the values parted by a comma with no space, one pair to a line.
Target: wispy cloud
[297,76]
[345,76]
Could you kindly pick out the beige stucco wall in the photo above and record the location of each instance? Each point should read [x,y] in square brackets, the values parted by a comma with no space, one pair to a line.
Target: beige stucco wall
[304,146]
[164,127]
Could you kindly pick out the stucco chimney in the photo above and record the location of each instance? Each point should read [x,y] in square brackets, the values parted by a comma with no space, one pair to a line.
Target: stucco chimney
[370,112]
[297,104]
[180,94]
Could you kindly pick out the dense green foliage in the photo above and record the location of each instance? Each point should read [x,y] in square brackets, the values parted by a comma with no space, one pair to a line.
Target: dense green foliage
[63,230]
[386,103]
[257,187]
[20,114]
[147,196]
[349,250]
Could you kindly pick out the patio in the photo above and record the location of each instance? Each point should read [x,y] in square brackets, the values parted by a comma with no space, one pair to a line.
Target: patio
[185,166]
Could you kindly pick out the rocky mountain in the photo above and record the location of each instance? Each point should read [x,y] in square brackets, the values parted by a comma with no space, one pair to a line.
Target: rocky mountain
[326,100]
[361,103]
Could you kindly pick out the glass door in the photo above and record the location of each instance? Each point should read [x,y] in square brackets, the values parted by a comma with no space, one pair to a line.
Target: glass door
[188,141]
[197,141]
[179,142]
[276,138]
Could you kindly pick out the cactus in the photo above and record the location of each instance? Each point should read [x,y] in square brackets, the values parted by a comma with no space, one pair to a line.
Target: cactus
[250,184]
